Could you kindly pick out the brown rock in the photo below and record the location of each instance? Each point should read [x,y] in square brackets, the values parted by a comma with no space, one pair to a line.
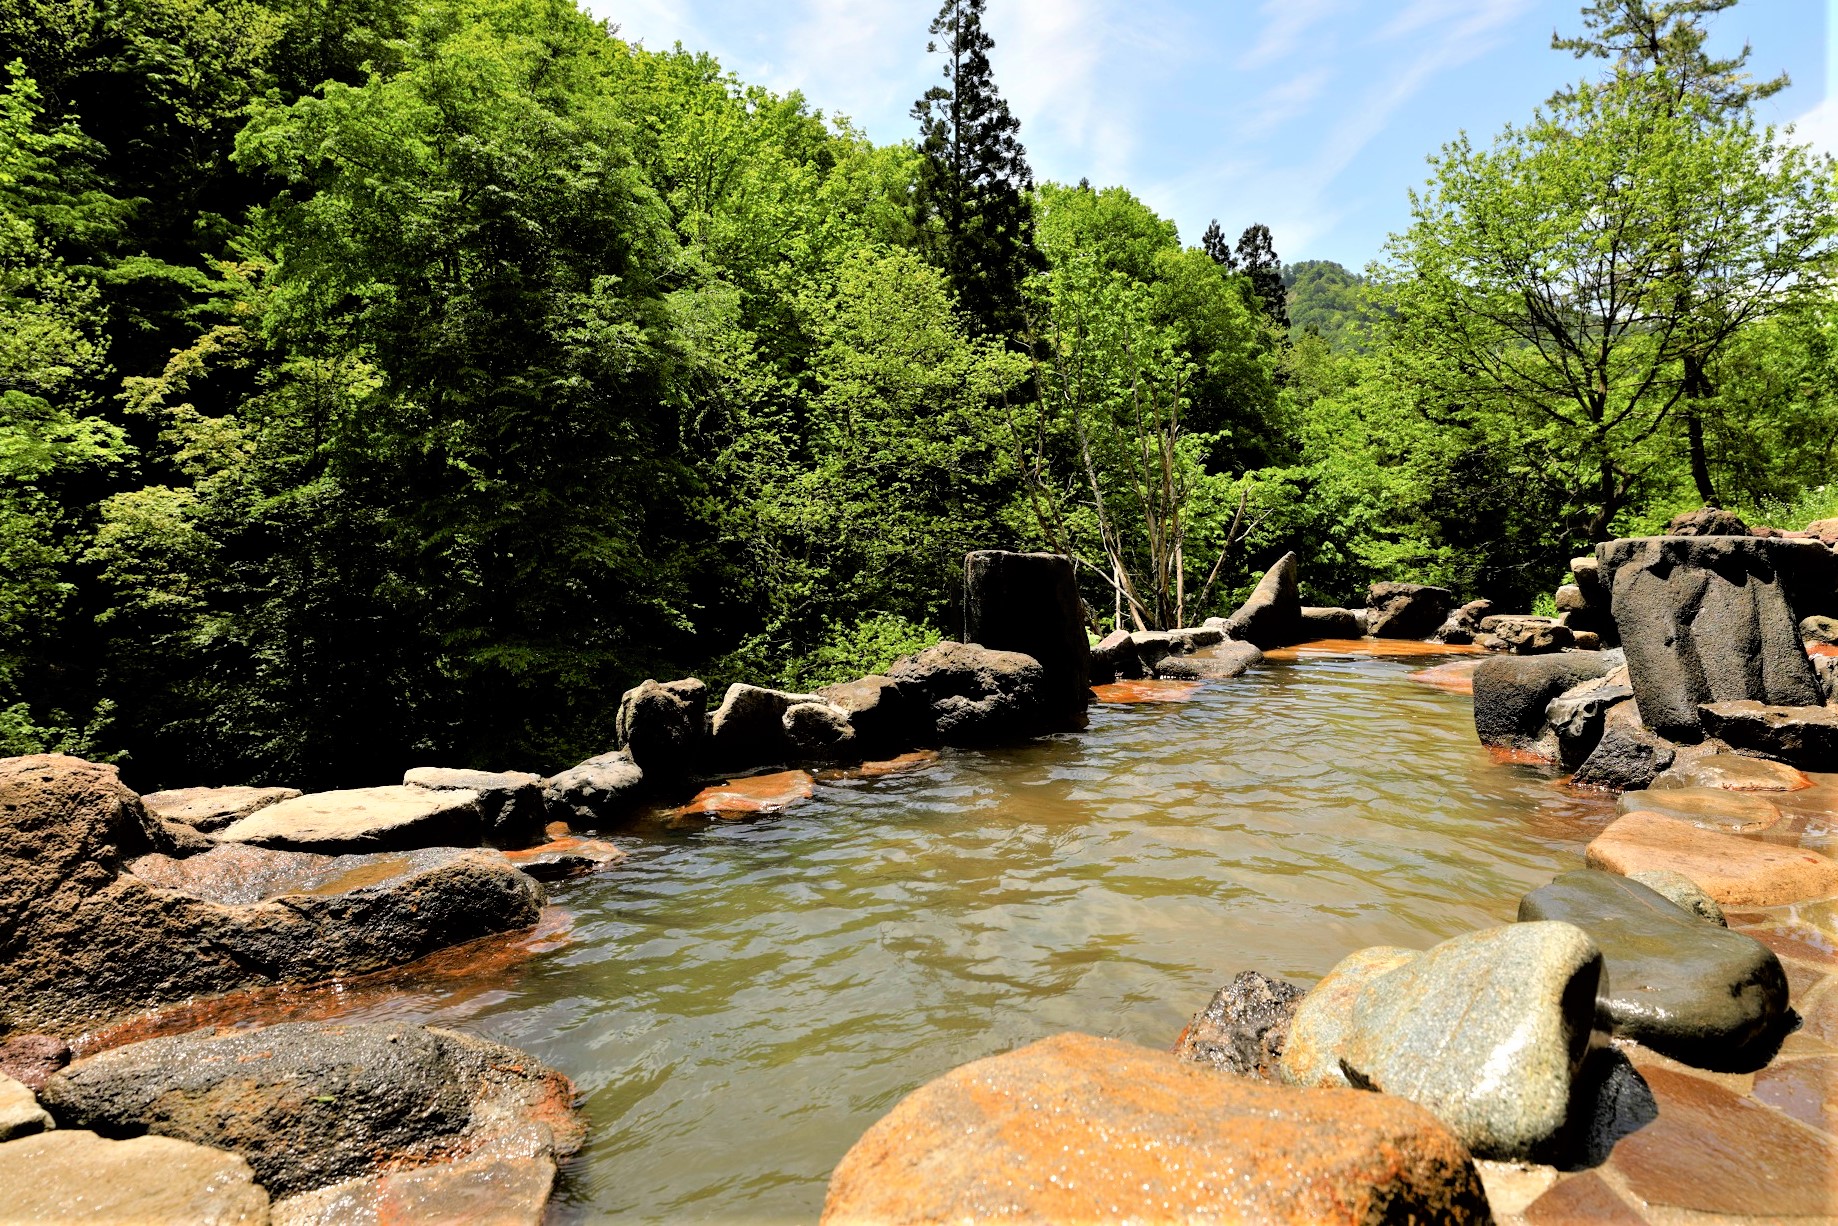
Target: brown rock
[213,808]
[1585,1200]
[1733,870]
[496,1191]
[20,1114]
[1145,691]
[364,819]
[1243,1026]
[565,857]
[1733,773]
[754,795]
[30,1059]
[74,1177]
[1714,1152]
[1081,1129]
[1457,676]
[1805,1089]
[1708,808]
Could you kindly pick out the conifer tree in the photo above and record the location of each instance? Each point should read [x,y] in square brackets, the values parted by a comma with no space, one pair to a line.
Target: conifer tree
[1214,244]
[1257,255]
[975,185]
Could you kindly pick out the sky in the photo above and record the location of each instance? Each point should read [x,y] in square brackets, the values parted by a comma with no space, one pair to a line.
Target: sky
[1311,116]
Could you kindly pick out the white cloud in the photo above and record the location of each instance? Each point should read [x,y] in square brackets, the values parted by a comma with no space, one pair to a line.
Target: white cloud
[1285,22]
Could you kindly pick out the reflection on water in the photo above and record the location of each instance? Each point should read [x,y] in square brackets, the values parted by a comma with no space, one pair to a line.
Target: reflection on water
[740,1002]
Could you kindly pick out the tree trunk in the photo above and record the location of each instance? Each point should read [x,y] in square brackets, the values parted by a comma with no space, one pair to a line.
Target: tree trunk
[1697,386]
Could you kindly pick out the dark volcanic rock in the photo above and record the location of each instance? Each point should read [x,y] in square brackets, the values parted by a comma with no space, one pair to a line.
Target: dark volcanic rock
[1706,619]
[1523,635]
[1116,659]
[1330,623]
[1511,694]
[1806,737]
[1464,625]
[978,696]
[1579,714]
[1708,522]
[1674,982]
[1627,756]
[510,802]
[597,790]
[889,717]
[309,1103]
[1243,1026]
[748,729]
[1217,663]
[661,726]
[1029,603]
[1272,615]
[1406,610]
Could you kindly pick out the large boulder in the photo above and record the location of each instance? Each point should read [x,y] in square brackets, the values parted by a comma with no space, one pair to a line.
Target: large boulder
[1115,658]
[977,696]
[1406,610]
[211,809]
[1272,615]
[1524,635]
[755,727]
[1626,756]
[72,1176]
[1806,737]
[1706,619]
[1684,987]
[1080,1129]
[598,790]
[1733,870]
[661,725]
[1217,663]
[1512,693]
[1710,521]
[308,1104]
[1330,623]
[1243,1027]
[1487,1030]
[888,717]
[510,803]
[1029,603]
[1579,714]
[363,820]
[83,939]
[1154,646]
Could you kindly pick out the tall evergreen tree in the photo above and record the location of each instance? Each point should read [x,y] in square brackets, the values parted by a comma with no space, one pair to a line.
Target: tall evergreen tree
[1257,254]
[1213,242]
[974,187]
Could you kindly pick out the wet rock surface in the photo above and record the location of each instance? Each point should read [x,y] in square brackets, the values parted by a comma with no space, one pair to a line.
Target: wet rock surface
[1707,808]
[1627,756]
[211,809]
[308,1104]
[1028,603]
[597,790]
[1673,982]
[1217,663]
[977,696]
[1145,691]
[1272,615]
[1406,610]
[511,806]
[364,820]
[1732,773]
[1074,1129]
[1806,737]
[501,1191]
[1243,1027]
[76,1176]
[1682,892]
[751,796]
[1733,870]
[1511,694]
[569,856]
[1579,715]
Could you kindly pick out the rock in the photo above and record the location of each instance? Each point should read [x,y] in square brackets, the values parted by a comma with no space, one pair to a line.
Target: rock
[1579,714]
[1512,693]
[211,809]
[1707,808]
[1706,619]
[1115,659]
[820,732]
[1688,989]
[1330,623]
[748,729]
[1627,756]
[1455,677]
[1524,635]
[30,1059]
[1272,615]
[1732,773]
[1134,692]
[1587,572]
[1825,668]
[978,696]
[1487,1030]
[20,1114]
[1570,599]
[510,802]
[566,857]
[1219,663]
[1154,646]
[1681,891]
[85,940]
[364,819]
[599,789]
[1819,630]
[1586,640]
[1825,531]
[309,1104]
[1028,603]
[501,1191]
[751,796]
[1733,870]
[1406,610]
[1464,624]
[1806,737]
[888,717]
[1243,1026]
[1318,1027]
[1708,522]
[1080,1129]
[661,726]
[72,1177]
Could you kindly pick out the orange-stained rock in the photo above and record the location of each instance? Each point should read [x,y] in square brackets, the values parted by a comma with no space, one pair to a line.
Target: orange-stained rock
[1731,869]
[1805,1089]
[1457,676]
[1734,773]
[753,795]
[1585,1200]
[568,856]
[1080,1129]
[1710,808]
[1404,649]
[1146,691]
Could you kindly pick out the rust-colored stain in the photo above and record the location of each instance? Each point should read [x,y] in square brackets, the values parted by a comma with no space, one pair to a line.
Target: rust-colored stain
[1822,649]
[1517,757]
[893,766]
[1146,691]
[756,794]
[1396,648]
[1457,676]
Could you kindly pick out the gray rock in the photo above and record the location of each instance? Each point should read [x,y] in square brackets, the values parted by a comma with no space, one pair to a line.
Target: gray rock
[1524,635]
[1511,694]
[494,1190]
[1682,892]
[1243,1026]
[1628,756]
[364,820]
[1695,768]
[1685,988]
[211,809]
[1406,610]
[977,696]
[1029,603]
[1706,619]
[1154,646]
[20,1114]
[661,726]
[1330,623]
[1710,521]
[1806,737]
[1578,715]
[1319,1027]
[1825,668]
[1819,629]
[308,1104]
[1115,659]
[1570,599]
[73,1177]
[1486,1030]
[819,732]
[888,717]
[510,802]
[598,790]
[1464,625]
[748,729]
[1272,615]
[1218,663]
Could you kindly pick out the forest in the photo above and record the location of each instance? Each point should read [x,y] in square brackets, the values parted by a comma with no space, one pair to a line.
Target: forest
[386,382]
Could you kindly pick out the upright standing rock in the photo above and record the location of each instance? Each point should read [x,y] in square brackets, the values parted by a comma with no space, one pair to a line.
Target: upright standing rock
[1706,619]
[1406,610]
[661,725]
[1272,615]
[1029,603]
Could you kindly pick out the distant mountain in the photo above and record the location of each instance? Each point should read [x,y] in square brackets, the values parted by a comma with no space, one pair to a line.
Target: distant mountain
[1325,297]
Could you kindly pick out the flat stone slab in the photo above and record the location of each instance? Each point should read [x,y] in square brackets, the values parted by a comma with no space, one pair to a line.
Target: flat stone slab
[1806,737]
[1221,662]
[749,797]
[1145,691]
[565,857]
[364,819]
[507,1191]
[211,809]
[20,1114]
[1674,982]
[75,1176]
[1706,808]
[1081,1129]
[1735,871]
[1733,773]
[1807,1090]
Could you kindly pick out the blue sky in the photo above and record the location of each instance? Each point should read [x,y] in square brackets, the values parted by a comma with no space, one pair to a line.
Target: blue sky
[1312,116]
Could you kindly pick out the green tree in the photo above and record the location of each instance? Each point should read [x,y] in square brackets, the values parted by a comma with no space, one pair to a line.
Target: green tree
[1257,256]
